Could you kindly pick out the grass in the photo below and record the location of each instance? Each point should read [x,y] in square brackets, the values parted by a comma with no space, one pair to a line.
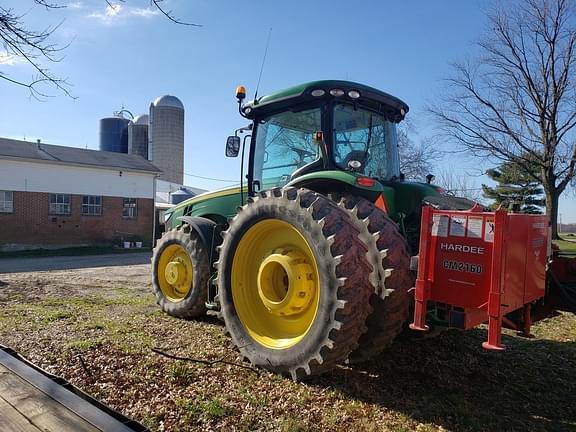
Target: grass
[84,345]
[56,315]
[568,243]
[182,373]
[100,340]
[210,409]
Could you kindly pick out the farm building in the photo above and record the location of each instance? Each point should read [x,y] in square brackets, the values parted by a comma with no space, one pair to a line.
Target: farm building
[56,196]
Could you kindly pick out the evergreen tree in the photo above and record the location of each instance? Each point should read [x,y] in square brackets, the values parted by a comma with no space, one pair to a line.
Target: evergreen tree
[516,189]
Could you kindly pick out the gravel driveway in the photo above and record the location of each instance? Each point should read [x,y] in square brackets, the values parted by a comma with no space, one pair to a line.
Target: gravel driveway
[49,263]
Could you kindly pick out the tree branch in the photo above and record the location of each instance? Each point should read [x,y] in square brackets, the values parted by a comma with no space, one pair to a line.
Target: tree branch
[35,47]
[170,15]
[205,362]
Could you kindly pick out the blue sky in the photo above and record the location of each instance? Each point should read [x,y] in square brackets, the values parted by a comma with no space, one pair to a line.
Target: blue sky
[134,54]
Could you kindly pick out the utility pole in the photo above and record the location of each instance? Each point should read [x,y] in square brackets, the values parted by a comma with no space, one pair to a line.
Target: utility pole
[560,225]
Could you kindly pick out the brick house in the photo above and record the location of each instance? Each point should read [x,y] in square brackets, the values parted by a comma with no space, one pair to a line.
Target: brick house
[56,196]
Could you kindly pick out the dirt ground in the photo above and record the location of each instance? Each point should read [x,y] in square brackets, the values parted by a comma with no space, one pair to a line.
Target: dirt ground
[97,328]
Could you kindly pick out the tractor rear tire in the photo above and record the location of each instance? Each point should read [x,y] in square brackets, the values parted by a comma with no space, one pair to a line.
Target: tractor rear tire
[180,272]
[294,282]
[390,313]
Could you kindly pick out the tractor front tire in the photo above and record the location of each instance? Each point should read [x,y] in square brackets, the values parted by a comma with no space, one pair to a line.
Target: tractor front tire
[293,282]
[180,272]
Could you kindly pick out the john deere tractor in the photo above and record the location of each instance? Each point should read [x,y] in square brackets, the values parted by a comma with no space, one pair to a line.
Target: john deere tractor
[308,260]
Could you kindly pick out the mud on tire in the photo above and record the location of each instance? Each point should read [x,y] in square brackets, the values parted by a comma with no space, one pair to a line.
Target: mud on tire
[390,313]
[327,244]
[185,298]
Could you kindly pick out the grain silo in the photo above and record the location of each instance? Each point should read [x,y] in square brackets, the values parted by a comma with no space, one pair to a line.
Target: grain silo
[180,195]
[114,134]
[166,137]
[138,136]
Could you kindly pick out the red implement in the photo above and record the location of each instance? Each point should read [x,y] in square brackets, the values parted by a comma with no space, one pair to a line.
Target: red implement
[480,266]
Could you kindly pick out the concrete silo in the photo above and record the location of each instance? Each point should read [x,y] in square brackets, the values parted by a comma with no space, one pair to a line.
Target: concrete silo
[166,137]
[138,136]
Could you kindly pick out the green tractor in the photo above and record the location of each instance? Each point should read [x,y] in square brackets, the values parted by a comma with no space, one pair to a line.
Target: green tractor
[309,261]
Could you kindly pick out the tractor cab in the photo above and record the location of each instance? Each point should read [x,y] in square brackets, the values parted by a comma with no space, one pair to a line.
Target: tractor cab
[323,126]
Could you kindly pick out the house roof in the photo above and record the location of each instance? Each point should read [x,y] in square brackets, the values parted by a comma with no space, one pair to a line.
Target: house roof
[15,149]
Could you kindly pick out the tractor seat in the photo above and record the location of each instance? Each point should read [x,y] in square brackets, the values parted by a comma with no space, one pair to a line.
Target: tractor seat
[357,155]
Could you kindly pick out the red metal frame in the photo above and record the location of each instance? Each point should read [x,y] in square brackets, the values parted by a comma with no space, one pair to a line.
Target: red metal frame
[494,299]
[422,287]
[481,265]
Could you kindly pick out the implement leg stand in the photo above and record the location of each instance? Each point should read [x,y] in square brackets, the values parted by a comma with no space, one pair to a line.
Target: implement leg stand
[527,313]
[494,298]
[494,342]
[419,324]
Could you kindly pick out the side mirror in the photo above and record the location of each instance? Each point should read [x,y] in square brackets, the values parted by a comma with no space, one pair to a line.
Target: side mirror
[232,146]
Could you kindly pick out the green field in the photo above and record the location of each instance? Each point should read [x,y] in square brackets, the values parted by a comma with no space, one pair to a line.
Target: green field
[568,243]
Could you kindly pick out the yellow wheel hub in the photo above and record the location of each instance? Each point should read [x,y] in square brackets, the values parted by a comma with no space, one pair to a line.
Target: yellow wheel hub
[175,272]
[275,284]
[285,282]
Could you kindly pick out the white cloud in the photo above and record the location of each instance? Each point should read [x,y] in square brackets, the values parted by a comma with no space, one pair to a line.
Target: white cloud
[113,9]
[7,59]
[109,15]
[76,5]
[144,12]
[116,12]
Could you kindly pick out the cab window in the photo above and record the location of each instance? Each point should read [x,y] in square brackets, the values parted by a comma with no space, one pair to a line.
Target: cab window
[284,143]
[365,141]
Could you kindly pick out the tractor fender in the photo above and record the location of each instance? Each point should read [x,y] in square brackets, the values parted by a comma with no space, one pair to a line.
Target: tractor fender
[206,230]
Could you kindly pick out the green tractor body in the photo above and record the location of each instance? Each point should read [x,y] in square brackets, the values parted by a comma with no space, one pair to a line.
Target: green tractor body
[308,258]
[401,198]
[307,165]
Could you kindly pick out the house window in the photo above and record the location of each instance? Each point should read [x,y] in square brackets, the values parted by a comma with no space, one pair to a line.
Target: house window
[60,204]
[91,205]
[6,202]
[129,208]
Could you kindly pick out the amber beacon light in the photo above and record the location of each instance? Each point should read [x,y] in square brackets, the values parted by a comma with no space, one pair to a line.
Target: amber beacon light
[240,93]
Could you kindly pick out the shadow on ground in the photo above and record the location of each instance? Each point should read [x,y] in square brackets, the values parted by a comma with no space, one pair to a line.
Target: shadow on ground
[451,381]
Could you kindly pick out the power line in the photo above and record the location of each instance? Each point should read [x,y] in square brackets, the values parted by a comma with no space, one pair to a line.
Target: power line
[464,190]
[211,178]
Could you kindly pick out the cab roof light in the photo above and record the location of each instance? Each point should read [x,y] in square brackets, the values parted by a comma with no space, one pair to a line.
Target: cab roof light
[354,94]
[318,93]
[337,92]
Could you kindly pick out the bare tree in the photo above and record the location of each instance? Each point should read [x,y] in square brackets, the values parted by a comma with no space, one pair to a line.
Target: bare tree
[416,157]
[459,185]
[36,48]
[32,46]
[517,101]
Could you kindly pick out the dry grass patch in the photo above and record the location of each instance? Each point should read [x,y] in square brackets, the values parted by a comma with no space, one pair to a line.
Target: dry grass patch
[436,384]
